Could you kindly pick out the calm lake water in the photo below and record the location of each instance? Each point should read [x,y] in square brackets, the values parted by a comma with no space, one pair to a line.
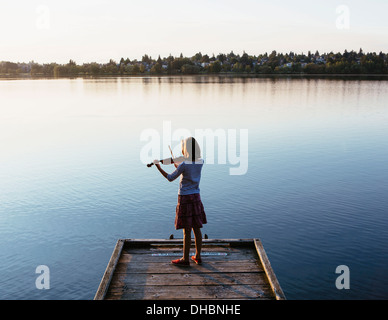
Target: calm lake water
[72,181]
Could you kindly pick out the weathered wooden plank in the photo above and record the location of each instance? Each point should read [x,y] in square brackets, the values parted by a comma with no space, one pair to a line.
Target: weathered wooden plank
[161,249]
[205,242]
[207,266]
[269,271]
[163,279]
[106,279]
[192,292]
[168,255]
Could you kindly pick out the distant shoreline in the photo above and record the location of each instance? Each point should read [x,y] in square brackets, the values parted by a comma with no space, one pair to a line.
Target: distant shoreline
[346,64]
[28,76]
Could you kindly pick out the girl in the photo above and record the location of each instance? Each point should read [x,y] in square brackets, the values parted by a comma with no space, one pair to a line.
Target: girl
[190,213]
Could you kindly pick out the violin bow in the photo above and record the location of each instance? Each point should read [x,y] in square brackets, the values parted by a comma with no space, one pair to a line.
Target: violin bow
[172,155]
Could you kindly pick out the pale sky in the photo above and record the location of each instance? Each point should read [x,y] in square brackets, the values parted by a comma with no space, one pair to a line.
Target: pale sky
[85,31]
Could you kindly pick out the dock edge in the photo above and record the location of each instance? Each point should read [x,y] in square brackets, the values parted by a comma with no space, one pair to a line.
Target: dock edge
[107,277]
[273,281]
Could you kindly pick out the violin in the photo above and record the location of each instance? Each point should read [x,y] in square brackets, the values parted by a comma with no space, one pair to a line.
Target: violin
[168,161]
[173,159]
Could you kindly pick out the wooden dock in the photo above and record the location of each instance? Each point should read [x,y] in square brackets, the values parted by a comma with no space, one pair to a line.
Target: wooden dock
[231,269]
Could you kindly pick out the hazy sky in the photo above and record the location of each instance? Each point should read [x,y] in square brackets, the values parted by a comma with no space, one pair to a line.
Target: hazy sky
[85,30]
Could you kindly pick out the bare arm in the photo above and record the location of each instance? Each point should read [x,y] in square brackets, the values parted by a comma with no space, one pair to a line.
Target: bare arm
[169,177]
[164,173]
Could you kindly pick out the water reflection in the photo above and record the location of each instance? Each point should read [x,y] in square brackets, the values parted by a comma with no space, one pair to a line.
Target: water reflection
[70,172]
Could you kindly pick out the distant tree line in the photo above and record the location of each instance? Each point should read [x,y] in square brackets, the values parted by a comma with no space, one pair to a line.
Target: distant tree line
[273,63]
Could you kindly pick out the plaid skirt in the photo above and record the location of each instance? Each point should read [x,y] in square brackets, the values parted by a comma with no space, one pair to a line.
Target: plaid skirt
[190,212]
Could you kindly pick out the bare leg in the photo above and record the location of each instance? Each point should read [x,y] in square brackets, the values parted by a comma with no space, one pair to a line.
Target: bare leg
[186,244]
[198,242]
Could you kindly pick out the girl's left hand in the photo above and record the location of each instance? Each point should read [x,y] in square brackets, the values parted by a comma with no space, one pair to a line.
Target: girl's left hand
[156,162]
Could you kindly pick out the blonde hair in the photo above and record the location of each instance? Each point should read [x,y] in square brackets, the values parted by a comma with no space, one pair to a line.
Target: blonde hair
[190,149]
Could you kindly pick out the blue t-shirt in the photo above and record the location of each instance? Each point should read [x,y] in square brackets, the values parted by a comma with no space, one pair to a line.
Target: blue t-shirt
[190,173]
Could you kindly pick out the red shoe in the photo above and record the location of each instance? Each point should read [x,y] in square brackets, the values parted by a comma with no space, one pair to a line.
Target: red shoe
[180,262]
[197,261]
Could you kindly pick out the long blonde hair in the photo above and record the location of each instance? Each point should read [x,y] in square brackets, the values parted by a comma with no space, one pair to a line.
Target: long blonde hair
[190,149]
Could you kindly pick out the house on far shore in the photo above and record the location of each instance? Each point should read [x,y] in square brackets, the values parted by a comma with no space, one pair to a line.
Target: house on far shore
[320,60]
